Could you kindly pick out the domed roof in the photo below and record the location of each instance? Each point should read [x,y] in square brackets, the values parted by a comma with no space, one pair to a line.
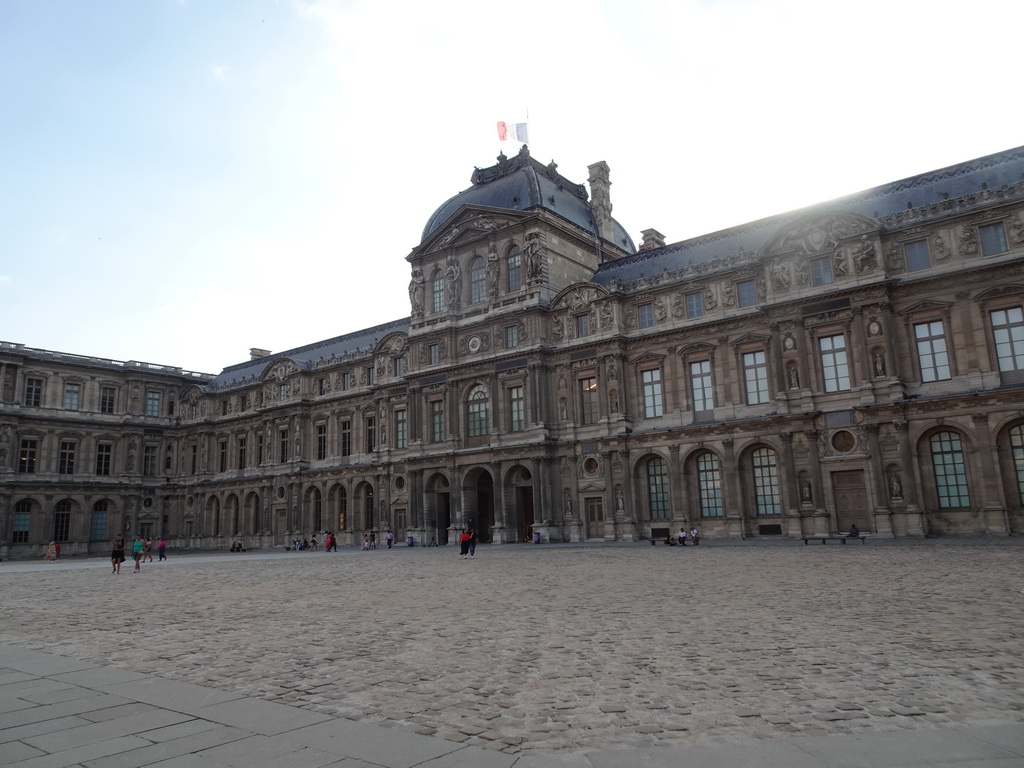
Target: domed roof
[522,184]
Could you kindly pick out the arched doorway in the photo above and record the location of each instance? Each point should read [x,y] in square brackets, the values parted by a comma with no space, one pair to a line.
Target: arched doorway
[519,483]
[478,498]
[437,511]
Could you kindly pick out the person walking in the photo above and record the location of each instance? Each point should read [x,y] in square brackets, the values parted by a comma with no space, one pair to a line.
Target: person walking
[464,543]
[51,552]
[147,550]
[472,542]
[334,542]
[389,537]
[161,549]
[138,547]
[117,553]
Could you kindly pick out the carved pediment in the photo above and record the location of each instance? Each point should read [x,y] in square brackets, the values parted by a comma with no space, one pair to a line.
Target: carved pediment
[697,349]
[393,344]
[647,357]
[925,306]
[280,371]
[820,233]
[578,298]
[1000,291]
[751,338]
[468,224]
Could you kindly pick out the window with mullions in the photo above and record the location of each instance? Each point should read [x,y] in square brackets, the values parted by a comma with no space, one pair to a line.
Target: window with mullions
[746,293]
[152,403]
[657,489]
[27,457]
[104,457]
[150,459]
[434,354]
[477,418]
[653,399]
[516,410]
[72,396]
[767,499]
[477,280]
[66,459]
[371,434]
[62,520]
[321,441]
[834,367]
[1017,450]
[821,271]
[437,431]
[22,522]
[514,270]
[1008,332]
[108,397]
[346,438]
[33,392]
[950,470]
[588,400]
[282,446]
[582,326]
[242,453]
[511,336]
[917,255]
[993,239]
[401,428]
[700,384]
[694,305]
[930,339]
[222,453]
[755,376]
[437,292]
[709,484]
[645,315]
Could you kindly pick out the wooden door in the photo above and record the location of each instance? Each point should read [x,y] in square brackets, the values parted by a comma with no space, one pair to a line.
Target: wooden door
[595,517]
[851,499]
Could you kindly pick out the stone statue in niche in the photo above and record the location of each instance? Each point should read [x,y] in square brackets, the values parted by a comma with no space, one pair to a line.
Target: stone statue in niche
[416,290]
[793,375]
[806,494]
[563,411]
[620,502]
[453,278]
[534,257]
[492,269]
[864,257]
[780,276]
[879,363]
[895,486]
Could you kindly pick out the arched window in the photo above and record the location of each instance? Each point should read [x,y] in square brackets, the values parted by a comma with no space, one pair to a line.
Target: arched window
[22,522]
[514,269]
[950,472]
[437,291]
[368,507]
[477,280]
[342,509]
[318,509]
[767,498]
[657,489]
[709,483]
[1017,449]
[62,520]
[477,414]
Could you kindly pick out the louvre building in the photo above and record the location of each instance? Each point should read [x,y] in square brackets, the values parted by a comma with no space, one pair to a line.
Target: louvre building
[857,361]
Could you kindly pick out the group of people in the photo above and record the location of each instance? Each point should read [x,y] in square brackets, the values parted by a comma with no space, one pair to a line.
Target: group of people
[467,543]
[682,536]
[142,551]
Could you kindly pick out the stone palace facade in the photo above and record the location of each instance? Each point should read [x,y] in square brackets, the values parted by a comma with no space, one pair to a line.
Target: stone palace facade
[857,361]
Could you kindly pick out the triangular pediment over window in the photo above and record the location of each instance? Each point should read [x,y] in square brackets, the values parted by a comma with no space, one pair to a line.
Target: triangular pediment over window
[468,225]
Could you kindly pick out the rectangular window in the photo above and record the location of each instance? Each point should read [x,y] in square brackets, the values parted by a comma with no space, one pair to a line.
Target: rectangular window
[401,429]
[582,326]
[241,445]
[243,404]
[657,490]
[195,459]
[19,533]
[755,377]
[104,458]
[98,526]
[282,446]
[321,441]
[346,382]
[511,336]
[700,384]
[645,316]
[371,434]
[821,271]
[152,403]
[66,460]
[834,368]
[436,421]
[767,498]
[371,375]
[514,265]
[588,400]
[282,391]
[72,395]
[27,457]
[437,293]
[653,399]
[950,471]
[434,354]
[33,392]
[709,482]
[746,293]
[346,438]
[694,305]
[1008,331]
[224,407]
[917,255]
[149,459]
[259,449]
[516,409]
[993,239]
[477,416]
[108,396]
[222,453]
[931,351]
[61,522]
[399,365]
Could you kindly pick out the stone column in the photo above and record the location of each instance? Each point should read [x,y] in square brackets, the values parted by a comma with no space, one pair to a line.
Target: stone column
[996,520]
[817,522]
[735,527]
[680,510]
[913,523]
[877,483]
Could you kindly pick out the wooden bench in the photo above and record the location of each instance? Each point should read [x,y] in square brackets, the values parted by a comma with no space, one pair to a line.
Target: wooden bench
[843,539]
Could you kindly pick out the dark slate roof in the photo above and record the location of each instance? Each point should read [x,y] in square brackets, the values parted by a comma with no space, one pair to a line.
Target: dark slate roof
[928,189]
[307,357]
[522,184]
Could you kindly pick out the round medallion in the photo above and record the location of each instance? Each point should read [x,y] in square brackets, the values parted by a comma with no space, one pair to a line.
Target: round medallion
[474,344]
[843,441]
[590,466]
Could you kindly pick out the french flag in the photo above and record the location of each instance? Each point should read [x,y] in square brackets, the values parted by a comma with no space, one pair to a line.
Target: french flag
[512,132]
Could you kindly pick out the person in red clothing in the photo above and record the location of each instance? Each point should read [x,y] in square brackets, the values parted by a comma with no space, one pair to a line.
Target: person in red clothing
[464,544]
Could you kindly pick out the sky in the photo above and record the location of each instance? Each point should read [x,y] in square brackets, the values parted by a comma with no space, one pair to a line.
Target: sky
[182,180]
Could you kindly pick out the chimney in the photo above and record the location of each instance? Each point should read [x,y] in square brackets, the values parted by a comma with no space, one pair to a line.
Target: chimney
[652,239]
[255,353]
[600,200]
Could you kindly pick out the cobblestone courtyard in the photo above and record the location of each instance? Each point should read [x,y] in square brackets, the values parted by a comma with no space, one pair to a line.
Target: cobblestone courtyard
[555,648]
